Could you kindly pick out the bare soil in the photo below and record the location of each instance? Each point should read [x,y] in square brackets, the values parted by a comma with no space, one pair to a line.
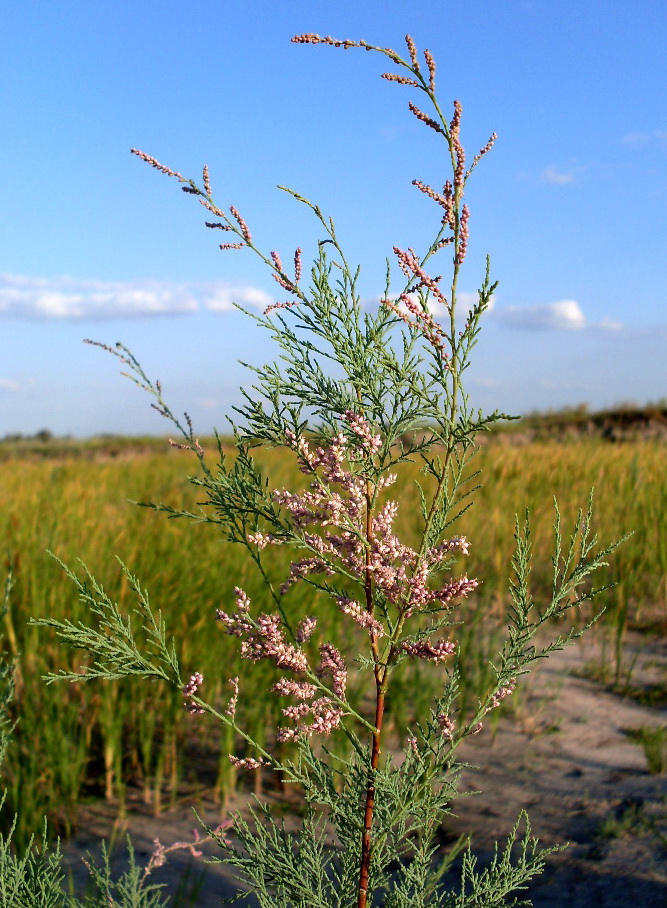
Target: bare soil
[563,755]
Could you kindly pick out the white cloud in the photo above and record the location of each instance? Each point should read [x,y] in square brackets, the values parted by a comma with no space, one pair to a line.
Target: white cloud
[65,298]
[467,300]
[221,298]
[556,176]
[610,324]
[69,298]
[562,315]
[9,384]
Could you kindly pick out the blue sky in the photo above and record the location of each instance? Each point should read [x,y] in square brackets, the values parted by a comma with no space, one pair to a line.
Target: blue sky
[570,204]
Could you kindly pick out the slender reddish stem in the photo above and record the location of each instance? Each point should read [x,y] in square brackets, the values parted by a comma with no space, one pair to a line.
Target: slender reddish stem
[370,800]
[380,692]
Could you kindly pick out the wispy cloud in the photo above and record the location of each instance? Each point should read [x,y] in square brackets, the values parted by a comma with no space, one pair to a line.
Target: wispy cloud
[467,300]
[641,139]
[221,298]
[558,177]
[562,315]
[65,298]
[9,384]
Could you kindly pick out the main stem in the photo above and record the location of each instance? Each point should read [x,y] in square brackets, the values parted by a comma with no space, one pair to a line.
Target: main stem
[380,693]
[370,796]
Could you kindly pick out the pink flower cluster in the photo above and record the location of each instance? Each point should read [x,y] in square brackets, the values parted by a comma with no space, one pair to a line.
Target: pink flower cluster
[500,695]
[263,638]
[247,762]
[325,715]
[396,569]
[333,521]
[446,724]
[359,614]
[421,321]
[422,649]
[189,690]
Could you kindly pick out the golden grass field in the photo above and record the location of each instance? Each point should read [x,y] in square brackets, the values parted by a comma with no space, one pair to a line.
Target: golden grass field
[76,742]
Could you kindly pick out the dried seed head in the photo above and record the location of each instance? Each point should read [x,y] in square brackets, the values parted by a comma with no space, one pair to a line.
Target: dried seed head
[242,224]
[247,762]
[288,305]
[425,118]
[277,261]
[430,62]
[402,80]
[463,235]
[316,39]
[155,163]
[412,51]
[284,283]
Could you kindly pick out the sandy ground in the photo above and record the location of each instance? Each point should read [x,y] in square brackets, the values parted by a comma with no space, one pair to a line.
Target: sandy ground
[564,756]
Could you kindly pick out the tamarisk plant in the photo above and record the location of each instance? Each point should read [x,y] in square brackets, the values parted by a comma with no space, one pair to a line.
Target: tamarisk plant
[400,400]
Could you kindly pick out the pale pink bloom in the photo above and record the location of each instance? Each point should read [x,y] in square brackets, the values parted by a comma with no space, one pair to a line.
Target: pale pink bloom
[500,695]
[359,614]
[356,422]
[386,481]
[409,264]
[159,854]
[448,545]
[305,630]
[297,711]
[231,706]
[455,589]
[261,540]
[276,261]
[288,304]
[287,734]
[264,638]
[300,569]
[284,283]
[242,224]
[189,690]
[332,661]
[399,572]
[422,649]
[238,623]
[463,235]
[162,167]
[325,715]
[302,690]
[446,724]
[412,744]
[247,762]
